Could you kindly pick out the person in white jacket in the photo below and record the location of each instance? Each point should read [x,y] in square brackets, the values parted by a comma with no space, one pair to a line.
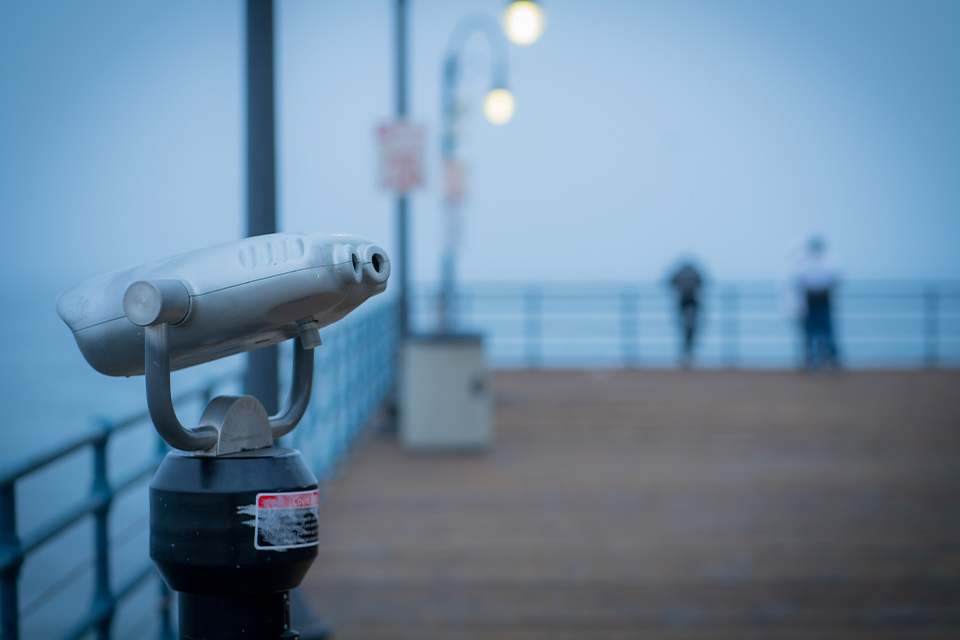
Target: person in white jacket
[816,279]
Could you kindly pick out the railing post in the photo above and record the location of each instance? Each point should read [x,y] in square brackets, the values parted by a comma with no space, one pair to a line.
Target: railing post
[465,303]
[731,331]
[932,324]
[630,328]
[12,555]
[532,328]
[103,601]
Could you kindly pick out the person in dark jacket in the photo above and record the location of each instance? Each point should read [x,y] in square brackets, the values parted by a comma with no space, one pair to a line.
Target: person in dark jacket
[687,282]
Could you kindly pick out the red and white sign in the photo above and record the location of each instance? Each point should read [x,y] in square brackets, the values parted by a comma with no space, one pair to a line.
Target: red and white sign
[286,520]
[455,180]
[288,500]
[401,146]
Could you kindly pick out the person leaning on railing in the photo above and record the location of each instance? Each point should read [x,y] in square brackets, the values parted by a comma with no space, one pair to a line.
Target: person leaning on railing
[686,281]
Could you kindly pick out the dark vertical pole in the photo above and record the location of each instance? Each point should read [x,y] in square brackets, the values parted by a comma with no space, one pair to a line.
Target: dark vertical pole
[629,329]
[102,596]
[400,111]
[261,379]
[932,313]
[448,264]
[466,302]
[532,329]
[9,576]
[731,355]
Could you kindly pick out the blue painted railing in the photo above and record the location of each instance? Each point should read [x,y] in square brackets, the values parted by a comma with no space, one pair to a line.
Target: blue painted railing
[744,324]
[16,548]
[354,372]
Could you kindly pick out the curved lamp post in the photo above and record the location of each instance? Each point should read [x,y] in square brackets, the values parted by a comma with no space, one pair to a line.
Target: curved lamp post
[523,23]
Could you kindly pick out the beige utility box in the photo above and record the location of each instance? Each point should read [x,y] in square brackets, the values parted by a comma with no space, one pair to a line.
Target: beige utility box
[445,399]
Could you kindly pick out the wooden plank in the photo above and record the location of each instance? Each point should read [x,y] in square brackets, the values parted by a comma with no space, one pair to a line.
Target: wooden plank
[644,504]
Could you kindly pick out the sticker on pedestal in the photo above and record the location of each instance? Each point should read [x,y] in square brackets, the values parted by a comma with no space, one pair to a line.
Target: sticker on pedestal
[287,520]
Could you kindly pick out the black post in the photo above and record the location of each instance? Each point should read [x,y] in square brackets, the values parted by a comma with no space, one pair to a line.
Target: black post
[731,339]
[232,535]
[932,314]
[13,557]
[629,328]
[102,595]
[261,378]
[532,329]
[400,110]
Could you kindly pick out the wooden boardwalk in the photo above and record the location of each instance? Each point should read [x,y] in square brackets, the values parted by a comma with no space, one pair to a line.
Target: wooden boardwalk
[660,505]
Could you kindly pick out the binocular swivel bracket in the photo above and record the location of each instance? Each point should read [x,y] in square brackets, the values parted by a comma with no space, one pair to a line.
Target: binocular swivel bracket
[229,424]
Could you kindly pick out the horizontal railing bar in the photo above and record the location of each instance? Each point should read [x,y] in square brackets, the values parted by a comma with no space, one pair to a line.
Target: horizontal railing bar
[705,340]
[548,316]
[666,297]
[708,293]
[15,470]
[79,511]
[98,614]
[67,579]
[85,565]
[133,582]
[137,475]
[53,528]
[554,315]
[94,617]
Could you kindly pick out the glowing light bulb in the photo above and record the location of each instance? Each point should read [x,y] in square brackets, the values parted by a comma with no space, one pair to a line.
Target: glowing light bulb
[523,21]
[498,106]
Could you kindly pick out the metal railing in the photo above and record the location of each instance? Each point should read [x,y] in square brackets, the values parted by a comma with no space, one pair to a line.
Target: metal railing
[354,373]
[16,548]
[355,370]
[879,324]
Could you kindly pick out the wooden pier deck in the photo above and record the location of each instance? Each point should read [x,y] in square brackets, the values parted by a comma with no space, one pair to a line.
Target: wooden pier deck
[624,505]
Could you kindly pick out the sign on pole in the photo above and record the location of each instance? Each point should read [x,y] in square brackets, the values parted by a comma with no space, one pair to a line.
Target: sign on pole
[454,180]
[401,146]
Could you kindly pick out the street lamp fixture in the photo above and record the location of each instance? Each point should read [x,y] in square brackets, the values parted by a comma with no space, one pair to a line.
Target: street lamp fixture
[523,21]
[499,106]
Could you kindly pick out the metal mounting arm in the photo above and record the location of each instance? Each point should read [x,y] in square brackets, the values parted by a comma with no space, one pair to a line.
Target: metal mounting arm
[229,424]
[155,305]
[159,399]
[296,404]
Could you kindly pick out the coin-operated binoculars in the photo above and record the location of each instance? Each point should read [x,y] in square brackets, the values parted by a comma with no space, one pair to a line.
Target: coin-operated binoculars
[233,519]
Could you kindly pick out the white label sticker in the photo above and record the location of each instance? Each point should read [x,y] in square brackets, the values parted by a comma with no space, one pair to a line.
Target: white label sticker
[287,520]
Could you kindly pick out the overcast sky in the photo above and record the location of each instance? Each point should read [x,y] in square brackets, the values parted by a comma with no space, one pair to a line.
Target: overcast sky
[645,130]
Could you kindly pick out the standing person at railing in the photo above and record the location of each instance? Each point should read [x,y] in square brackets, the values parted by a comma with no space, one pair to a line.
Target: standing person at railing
[686,282]
[816,279]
